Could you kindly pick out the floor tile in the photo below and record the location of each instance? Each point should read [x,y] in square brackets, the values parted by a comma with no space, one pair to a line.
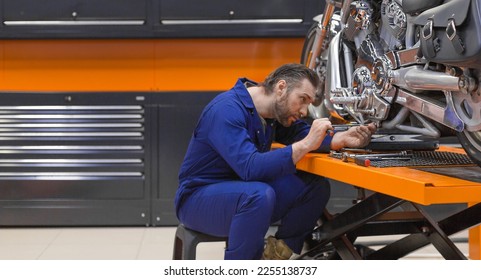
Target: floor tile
[157,244]
[87,236]
[28,236]
[21,252]
[90,252]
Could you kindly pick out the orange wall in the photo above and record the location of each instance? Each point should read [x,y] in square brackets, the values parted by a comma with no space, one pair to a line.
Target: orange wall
[143,65]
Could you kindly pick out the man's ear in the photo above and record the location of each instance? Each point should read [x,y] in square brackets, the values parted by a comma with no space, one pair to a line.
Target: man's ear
[281,87]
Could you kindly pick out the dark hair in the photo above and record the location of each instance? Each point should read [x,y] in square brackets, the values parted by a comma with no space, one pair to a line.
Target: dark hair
[293,74]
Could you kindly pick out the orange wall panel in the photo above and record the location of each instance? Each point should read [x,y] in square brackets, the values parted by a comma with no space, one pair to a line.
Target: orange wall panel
[77,65]
[215,64]
[140,65]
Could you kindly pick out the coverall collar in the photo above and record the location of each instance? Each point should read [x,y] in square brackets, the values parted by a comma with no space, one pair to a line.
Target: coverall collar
[241,91]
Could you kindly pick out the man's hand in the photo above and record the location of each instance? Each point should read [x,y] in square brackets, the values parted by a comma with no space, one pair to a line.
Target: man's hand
[317,133]
[354,137]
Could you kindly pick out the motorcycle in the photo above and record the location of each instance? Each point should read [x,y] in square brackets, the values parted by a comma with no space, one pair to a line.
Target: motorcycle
[407,65]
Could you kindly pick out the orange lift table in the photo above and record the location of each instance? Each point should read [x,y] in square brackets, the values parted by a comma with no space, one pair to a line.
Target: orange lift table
[395,188]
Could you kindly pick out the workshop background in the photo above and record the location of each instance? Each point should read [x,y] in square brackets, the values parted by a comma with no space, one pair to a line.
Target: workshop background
[99,98]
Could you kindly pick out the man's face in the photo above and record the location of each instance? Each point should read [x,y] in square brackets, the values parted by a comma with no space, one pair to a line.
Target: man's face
[290,106]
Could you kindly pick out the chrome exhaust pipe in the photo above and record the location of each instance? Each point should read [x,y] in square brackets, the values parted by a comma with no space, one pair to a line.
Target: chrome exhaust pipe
[416,78]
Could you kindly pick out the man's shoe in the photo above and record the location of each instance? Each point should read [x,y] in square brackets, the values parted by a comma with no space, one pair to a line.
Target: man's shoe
[276,250]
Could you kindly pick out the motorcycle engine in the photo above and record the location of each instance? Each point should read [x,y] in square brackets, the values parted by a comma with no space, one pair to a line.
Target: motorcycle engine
[375,29]
[390,26]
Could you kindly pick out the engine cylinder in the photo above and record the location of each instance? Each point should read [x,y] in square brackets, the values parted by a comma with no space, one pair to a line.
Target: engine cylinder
[359,18]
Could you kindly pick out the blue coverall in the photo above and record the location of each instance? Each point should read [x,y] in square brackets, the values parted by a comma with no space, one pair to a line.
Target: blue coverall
[232,184]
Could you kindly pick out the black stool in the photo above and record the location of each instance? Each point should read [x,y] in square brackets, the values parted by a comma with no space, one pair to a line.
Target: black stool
[186,240]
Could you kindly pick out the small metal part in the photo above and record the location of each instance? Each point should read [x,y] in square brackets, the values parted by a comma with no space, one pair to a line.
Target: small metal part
[389,158]
[425,230]
[361,195]
[316,235]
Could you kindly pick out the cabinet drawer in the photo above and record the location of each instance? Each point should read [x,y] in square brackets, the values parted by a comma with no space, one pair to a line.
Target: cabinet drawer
[236,11]
[69,12]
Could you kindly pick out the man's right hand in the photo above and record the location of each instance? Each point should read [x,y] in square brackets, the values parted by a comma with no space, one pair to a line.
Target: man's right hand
[319,129]
[313,140]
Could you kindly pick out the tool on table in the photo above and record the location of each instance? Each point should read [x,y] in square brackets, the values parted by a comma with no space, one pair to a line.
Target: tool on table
[365,159]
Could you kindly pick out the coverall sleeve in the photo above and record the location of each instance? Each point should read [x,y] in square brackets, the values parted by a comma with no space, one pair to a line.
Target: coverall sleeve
[229,136]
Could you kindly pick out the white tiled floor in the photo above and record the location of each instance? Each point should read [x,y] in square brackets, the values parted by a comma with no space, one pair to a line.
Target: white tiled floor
[124,243]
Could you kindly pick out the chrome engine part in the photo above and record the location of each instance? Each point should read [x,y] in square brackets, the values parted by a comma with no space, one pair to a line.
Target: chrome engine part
[368,84]
[360,13]
[362,100]
[394,24]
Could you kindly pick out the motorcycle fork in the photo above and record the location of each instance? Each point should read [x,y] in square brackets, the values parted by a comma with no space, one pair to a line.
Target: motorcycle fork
[321,33]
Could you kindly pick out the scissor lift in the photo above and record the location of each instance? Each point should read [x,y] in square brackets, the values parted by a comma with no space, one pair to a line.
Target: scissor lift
[395,207]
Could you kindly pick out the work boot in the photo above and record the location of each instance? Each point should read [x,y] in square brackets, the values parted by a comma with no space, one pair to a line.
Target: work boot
[276,250]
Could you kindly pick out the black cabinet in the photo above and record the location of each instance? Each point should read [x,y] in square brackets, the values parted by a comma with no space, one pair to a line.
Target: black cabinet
[75,159]
[175,115]
[51,19]
[93,159]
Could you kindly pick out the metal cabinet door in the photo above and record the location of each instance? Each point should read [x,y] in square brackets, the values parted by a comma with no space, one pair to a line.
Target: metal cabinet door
[68,12]
[231,10]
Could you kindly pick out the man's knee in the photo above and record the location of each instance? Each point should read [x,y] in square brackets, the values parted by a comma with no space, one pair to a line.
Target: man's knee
[260,196]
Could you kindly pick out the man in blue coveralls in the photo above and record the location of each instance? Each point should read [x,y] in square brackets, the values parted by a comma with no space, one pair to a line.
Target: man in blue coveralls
[233,185]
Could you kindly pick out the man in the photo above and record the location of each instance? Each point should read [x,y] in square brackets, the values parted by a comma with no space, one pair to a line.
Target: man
[231,182]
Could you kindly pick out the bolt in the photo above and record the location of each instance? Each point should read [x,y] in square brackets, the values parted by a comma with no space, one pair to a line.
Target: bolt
[142,215]
[425,230]
[316,235]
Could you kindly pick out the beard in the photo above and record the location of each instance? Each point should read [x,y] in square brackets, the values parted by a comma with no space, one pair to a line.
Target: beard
[282,112]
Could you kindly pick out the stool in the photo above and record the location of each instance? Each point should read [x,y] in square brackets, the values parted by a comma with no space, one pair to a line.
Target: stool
[186,240]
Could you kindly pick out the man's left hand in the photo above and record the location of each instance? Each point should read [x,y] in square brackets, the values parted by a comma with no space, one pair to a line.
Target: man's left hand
[354,137]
